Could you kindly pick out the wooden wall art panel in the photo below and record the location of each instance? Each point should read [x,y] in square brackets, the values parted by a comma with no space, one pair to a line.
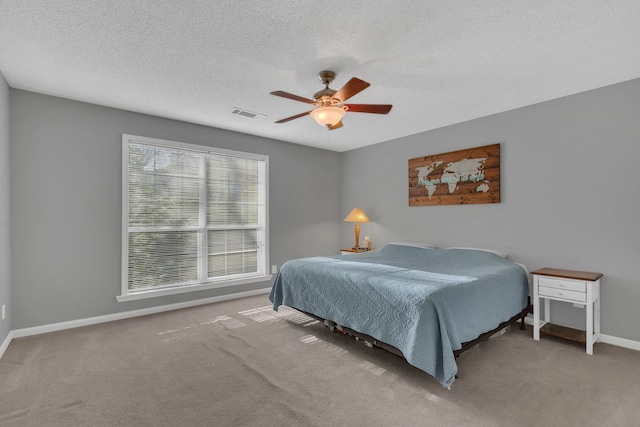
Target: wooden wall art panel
[457,178]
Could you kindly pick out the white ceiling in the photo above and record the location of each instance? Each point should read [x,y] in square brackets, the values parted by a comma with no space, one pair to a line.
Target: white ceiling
[438,62]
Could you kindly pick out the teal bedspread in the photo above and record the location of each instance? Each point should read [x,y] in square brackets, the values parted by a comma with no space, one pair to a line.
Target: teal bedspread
[425,302]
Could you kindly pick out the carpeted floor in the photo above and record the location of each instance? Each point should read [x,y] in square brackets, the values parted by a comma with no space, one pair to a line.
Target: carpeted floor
[238,363]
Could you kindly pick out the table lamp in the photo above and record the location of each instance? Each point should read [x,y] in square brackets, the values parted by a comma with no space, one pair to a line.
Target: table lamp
[356,215]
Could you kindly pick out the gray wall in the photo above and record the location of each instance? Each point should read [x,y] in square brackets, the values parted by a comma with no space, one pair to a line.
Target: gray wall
[570,199]
[5,252]
[570,194]
[66,204]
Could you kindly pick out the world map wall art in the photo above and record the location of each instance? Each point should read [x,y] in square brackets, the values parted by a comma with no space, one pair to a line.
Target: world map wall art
[457,178]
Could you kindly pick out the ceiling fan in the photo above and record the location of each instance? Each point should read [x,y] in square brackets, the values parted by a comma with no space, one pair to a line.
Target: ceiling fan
[330,103]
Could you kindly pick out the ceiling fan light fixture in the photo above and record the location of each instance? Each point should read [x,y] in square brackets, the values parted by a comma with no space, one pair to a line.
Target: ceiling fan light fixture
[330,103]
[327,116]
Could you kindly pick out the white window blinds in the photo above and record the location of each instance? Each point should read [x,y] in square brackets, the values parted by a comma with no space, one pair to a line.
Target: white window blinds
[194,215]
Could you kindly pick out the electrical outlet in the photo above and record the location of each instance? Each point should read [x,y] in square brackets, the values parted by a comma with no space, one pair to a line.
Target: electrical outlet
[4,309]
[274,269]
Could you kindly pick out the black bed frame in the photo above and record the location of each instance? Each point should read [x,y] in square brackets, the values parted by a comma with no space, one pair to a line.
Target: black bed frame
[373,342]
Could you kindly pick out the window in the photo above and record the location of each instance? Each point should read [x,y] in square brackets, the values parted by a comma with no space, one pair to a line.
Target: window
[193,217]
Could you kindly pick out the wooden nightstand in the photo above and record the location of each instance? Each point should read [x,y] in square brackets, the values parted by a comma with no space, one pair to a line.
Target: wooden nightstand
[576,287]
[352,251]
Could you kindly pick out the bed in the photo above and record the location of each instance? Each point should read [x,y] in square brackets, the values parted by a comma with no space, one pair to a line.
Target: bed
[428,304]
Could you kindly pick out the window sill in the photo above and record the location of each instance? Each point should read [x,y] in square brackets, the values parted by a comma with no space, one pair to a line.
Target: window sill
[190,288]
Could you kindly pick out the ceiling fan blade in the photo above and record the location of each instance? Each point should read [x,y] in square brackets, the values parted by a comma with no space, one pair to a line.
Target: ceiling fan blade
[369,108]
[297,116]
[336,126]
[353,86]
[292,96]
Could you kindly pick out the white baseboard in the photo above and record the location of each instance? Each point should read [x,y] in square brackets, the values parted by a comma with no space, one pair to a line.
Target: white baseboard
[6,343]
[620,342]
[607,339]
[19,333]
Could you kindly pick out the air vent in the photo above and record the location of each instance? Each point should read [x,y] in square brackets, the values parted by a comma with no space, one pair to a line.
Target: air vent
[246,113]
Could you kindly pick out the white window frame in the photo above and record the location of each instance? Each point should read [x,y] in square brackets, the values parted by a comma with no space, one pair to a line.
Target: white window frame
[263,234]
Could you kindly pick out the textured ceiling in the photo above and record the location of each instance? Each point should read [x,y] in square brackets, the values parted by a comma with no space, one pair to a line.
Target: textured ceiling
[438,62]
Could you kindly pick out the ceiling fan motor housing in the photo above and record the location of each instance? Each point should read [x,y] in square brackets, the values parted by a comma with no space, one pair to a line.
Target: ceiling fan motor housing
[325,96]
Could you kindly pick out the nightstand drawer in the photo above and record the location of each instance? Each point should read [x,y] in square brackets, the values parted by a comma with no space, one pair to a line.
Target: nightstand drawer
[555,292]
[569,285]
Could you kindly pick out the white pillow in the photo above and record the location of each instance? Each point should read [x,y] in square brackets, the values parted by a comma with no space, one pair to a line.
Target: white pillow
[493,251]
[414,244]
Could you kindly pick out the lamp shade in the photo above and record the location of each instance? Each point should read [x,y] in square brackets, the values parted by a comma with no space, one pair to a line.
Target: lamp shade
[327,116]
[356,215]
